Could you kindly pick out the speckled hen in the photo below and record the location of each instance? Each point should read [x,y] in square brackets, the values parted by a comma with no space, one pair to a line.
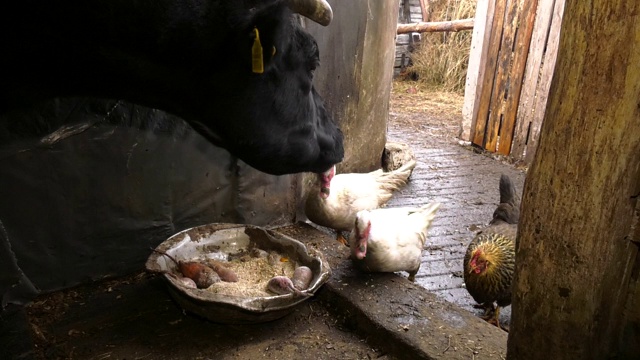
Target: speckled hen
[489,262]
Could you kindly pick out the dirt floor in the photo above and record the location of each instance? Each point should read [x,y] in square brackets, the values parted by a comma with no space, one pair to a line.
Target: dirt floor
[434,115]
[134,318]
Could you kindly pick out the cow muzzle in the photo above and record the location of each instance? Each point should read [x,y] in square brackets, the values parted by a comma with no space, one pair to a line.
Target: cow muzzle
[316,10]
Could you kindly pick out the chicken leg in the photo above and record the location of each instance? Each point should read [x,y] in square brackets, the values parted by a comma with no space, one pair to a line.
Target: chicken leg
[493,317]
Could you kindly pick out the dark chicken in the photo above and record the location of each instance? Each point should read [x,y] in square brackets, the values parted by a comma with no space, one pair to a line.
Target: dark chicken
[490,258]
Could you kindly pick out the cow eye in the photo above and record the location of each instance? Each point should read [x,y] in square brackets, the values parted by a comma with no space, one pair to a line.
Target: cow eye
[313,65]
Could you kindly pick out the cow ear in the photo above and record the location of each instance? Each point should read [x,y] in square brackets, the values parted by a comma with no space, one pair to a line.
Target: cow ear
[262,51]
[271,23]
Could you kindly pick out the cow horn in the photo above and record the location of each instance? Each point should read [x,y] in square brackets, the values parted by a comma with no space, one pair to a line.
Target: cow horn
[316,10]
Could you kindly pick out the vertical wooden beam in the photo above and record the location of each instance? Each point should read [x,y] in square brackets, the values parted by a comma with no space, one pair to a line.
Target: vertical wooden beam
[532,74]
[406,11]
[488,81]
[425,6]
[476,68]
[526,19]
[574,253]
[630,340]
[512,58]
[501,83]
[548,68]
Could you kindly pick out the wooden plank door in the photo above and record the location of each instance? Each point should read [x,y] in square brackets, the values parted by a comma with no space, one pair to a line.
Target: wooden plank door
[507,54]
[537,78]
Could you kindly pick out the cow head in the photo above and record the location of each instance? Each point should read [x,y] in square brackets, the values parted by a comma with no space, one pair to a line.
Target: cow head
[192,58]
[274,120]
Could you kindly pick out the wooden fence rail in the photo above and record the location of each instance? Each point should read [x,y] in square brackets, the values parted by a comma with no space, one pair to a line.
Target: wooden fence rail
[435,26]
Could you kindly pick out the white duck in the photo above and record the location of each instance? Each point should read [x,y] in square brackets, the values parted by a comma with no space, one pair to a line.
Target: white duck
[338,198]
[391,239]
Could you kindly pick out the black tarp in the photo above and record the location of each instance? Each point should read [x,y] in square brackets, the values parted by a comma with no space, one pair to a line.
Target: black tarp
[88,202]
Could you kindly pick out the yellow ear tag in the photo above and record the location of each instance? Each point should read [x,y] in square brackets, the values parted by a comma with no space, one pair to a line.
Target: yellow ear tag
[256,54]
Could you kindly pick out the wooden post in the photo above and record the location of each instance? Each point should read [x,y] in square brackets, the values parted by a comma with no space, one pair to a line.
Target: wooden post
[406,10]
[574,252]
[425,7]
[477,63]
[490,72]
[521,40]
[537,78]
[512,57]
[542,92]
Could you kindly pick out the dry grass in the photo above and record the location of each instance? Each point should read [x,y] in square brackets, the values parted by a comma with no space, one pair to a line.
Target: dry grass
[440,62]
[420,98]
[423,109]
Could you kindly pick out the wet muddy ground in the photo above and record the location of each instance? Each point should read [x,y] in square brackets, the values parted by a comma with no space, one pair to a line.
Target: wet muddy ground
[451,172]
[135,318]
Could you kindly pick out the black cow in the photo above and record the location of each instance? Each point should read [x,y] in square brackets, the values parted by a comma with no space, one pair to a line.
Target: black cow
[192,58]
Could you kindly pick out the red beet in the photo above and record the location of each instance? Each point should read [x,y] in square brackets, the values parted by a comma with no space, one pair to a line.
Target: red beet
[202,275]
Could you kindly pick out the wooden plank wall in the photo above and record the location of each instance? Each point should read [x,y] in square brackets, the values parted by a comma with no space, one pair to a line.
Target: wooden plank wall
[542,61]
[477,60]
[510,39]
[507,103]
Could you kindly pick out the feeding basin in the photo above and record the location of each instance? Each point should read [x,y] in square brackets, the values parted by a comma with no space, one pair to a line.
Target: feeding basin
[247,300]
